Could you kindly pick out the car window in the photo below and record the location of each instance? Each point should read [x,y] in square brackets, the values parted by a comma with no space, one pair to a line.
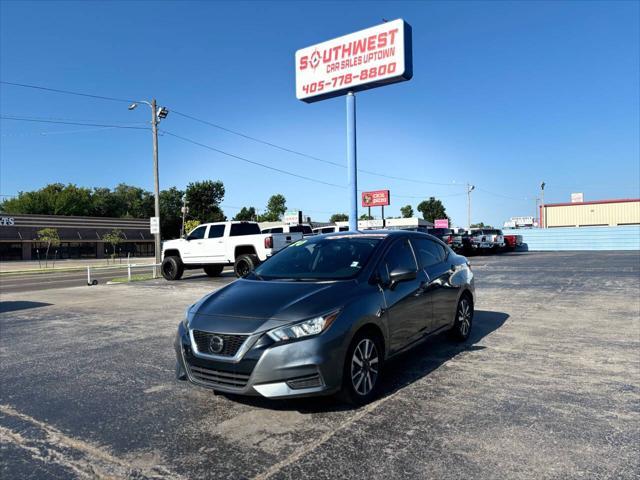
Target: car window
[216,231]
[400,256]
[198,233]
[277,230]
[239,229]
[326,230]
[429,252]
[319,258]
[343,229]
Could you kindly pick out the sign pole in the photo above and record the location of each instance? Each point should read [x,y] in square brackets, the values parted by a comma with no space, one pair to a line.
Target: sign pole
[352,162]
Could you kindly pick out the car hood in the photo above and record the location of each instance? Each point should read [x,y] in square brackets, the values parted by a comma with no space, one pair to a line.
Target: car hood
[252,306]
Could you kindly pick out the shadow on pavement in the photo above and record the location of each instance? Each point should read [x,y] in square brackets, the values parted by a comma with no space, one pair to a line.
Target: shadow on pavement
[20,305]
[400,371]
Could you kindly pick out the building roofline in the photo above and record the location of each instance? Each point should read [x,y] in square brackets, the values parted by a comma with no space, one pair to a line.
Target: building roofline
[592,202]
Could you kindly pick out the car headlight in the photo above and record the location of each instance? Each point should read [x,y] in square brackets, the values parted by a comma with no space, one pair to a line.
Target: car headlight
[306,328]
[187,316]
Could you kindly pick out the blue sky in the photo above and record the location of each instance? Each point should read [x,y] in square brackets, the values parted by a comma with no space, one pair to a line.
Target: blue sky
[504,95]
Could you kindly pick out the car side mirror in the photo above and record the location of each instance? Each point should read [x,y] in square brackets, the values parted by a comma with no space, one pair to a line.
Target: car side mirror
[401,275]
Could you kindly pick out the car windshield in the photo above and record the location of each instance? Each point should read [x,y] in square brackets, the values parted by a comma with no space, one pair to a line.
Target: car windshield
[321,258]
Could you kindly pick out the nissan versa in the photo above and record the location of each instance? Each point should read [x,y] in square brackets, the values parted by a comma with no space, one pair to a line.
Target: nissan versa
[323,315]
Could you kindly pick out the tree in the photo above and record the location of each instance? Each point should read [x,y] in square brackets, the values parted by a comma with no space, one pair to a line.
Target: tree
[190,225]
[406,211]
[50,236]
[365,216]
[339,217]
[432,209]
[132,202]
[276,206]
[204,200]
[171,212]
[479,225]
[113,238]
[246,214]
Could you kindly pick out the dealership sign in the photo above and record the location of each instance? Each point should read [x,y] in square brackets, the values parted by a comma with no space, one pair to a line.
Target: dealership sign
[377,198]
[7,221]
[441,223]
[366,59]
[292,217]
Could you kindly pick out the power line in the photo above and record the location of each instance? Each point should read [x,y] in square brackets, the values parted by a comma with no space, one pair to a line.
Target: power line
[306,155]
[5,117]
[253,162]
[67,92]
[234,132]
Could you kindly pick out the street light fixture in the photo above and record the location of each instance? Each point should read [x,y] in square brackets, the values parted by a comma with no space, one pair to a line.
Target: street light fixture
[157,114]
[543,217]
[470,188]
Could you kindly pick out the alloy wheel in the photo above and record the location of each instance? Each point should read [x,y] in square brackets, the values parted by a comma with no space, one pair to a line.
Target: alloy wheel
[464,317]
[364,367]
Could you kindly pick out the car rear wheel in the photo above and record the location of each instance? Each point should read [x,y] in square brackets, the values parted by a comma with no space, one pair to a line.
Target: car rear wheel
[464,319]
[213,270]
[172,268]
[362,369]
[245,264]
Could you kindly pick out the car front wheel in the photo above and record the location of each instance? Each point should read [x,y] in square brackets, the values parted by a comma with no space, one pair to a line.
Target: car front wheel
[172,268]
[362,369]
[464,319]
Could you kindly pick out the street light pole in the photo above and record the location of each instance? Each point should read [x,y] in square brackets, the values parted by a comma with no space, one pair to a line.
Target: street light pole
[157,114]
[156,179]
[469,190]
[543,217]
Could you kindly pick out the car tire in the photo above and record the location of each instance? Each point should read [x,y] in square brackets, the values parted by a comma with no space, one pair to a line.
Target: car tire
[172,268]
[361,383]
[245,264]
[463,319]
[213,270]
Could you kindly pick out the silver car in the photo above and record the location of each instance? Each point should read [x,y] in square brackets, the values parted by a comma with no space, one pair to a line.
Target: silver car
[325,314]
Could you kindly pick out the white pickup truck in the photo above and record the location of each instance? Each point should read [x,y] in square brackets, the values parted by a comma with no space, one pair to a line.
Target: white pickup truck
[212,246]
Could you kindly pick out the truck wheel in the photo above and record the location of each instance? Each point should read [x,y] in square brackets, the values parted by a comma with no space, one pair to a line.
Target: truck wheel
[245,264]
[172,268]
[213,270]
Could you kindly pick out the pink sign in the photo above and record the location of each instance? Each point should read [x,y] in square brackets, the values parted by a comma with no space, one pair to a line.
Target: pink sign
[441,223]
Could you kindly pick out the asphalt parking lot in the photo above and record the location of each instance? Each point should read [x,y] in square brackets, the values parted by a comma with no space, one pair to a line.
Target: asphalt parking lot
[547,387]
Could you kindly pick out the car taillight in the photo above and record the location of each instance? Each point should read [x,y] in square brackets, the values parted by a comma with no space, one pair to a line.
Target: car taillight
[450,239]
[268,242]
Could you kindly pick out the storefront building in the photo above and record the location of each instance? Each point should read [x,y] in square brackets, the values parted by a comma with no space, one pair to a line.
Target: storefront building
[80,237]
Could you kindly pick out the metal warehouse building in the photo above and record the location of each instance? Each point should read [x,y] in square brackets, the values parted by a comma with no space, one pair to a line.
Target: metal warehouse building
[592,214]
[80,237]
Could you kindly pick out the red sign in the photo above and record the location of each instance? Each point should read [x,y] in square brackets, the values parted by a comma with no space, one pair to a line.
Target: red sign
[441,223]
[377,198]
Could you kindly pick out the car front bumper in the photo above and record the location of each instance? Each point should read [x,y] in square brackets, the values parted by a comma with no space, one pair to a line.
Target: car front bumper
[274,370]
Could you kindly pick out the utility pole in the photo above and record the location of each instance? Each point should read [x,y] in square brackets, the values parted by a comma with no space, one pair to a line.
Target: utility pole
[156,179]
[543,217]
[185,210]
[157,114]
[470,188]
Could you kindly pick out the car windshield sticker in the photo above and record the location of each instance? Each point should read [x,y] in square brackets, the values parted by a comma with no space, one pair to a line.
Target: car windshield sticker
[354,264]
[298,243]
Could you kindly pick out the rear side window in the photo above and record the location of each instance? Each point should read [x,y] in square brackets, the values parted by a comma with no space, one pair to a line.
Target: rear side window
[429,252]
[216,231]
[343,229]
[400,257]
[198,233]
[326,230]
[299,229]
[239,229]
[277,230]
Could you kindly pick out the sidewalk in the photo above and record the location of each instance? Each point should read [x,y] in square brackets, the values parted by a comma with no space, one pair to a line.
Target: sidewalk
[75,264]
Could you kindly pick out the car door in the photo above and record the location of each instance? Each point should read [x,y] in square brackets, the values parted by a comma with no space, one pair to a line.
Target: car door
[406,305]
[213,248]
[192,249]
[434,259]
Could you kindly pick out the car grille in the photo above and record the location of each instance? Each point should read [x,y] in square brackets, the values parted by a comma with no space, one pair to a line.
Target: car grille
[230,343]
[217,378]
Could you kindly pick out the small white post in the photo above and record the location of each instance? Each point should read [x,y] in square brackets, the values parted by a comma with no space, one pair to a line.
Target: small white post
[88,275]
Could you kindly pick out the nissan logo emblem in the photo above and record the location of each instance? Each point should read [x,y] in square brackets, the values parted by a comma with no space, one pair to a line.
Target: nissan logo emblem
[216,344]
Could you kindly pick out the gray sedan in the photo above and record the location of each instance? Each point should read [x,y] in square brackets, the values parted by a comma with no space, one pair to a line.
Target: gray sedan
[324,315]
